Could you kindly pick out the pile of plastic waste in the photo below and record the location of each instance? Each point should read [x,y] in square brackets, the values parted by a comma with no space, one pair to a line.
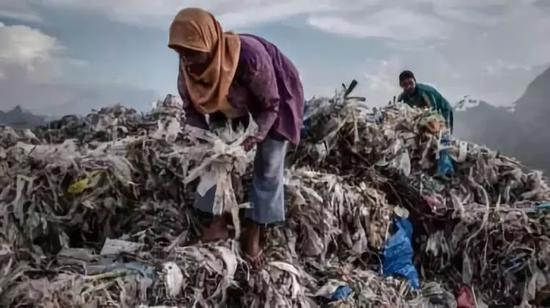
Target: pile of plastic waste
[385,208]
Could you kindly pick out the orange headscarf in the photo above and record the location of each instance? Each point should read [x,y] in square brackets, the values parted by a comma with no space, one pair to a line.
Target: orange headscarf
[197,29]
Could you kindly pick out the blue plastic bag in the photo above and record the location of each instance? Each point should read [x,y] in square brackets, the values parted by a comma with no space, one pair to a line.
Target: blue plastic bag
[398,254]
[445,163]
[341,293]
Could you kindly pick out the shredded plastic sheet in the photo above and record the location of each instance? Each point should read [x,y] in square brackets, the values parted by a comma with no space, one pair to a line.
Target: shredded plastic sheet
[357,169]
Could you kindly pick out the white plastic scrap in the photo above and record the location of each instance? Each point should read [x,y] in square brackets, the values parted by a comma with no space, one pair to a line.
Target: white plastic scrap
[173,278]
[114,247]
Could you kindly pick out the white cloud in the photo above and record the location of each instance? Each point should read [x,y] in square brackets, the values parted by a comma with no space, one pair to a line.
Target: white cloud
[28,60]
[469,16]
[232,13]
[28,54]
[402,20]
[269,12]
[22,44]
[20,16]
[32,66]
[18,9]
[392,23]
[499,66]
[489,49]
[380,80]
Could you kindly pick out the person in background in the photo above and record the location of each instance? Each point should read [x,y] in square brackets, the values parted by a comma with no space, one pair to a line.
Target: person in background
[423,96]
[228,75]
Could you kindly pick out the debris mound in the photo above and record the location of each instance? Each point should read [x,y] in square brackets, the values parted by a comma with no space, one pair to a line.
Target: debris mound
[385,208]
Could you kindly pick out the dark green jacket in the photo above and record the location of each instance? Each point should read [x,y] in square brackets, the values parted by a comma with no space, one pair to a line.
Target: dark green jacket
[428,97]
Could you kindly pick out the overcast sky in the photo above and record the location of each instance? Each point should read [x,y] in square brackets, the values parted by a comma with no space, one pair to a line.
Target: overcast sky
[66,56]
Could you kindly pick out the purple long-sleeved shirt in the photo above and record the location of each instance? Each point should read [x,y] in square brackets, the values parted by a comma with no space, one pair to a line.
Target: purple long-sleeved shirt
[267,85]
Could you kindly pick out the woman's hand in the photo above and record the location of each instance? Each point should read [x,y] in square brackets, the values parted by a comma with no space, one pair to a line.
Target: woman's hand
[250,142]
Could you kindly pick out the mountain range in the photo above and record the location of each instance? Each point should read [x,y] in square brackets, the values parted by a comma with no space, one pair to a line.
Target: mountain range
[521,130]
[20,118]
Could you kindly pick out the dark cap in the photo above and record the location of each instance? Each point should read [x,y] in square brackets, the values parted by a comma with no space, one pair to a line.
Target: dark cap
[406,75]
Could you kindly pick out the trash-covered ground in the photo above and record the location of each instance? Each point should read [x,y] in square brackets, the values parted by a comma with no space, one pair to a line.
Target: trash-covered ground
[384,210]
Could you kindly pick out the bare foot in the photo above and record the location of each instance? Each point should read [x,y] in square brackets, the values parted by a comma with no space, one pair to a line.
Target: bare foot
[252,247]
[217,230]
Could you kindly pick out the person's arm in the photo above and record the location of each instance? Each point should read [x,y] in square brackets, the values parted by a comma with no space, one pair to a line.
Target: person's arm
[443,107]
[429,99]
[401,98]
[193,117]
[406,100]
[262,83]
[447,111]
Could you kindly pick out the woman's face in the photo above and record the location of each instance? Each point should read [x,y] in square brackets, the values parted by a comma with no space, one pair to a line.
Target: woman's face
[194,61]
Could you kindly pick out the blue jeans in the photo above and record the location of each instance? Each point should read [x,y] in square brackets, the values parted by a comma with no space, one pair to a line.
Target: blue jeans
[267,191]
